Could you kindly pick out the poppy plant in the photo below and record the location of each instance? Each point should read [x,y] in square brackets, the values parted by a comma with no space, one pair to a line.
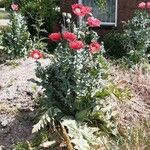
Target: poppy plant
[93,22]
[69,36]
[15,7]
[94,47]
[76,45]
[142,5]
[148,5]
[36,54]
[81,10]
[55,36]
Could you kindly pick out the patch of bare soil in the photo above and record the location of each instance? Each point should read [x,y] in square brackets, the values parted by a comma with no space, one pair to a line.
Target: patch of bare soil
[4,22]
[18,90]
[136,109]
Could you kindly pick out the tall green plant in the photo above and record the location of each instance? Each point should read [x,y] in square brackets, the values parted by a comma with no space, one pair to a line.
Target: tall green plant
[137,35]
[74,86]
[16,38]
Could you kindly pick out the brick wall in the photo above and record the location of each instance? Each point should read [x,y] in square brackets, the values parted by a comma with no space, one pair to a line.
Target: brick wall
[126,10]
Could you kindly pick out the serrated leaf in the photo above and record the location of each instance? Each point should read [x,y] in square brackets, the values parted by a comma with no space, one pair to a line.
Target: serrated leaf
[46,118]
[82,115]
[80,143]
[81,136]
[71,125]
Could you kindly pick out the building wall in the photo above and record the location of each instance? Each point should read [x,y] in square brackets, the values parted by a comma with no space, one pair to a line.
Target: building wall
[126,10]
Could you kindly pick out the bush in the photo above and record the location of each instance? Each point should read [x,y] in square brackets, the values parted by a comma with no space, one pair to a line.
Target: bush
[37,9]
[114,45]
[133,43]
[34,10]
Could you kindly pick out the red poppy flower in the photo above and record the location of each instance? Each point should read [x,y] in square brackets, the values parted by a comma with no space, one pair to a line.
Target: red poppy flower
[36,54]
[142,5]
[76,45]
[148,5]
[93,22]
[86,10]
[15,7]
[55,36]
[94,47]
[69,36]
[81,10]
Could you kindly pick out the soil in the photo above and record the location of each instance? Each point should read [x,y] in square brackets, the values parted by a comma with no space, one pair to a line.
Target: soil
[18,92]
[136,108]
[4,22]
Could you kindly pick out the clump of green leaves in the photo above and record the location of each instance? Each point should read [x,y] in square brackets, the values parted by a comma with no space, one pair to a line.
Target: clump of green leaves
[131,46]
[137,35]
[38,42]
[16,38]
[114,45]
[33,144]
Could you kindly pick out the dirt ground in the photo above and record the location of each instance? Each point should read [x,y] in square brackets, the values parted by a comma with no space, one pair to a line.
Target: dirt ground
[18,90]
[4,22]
[137,107]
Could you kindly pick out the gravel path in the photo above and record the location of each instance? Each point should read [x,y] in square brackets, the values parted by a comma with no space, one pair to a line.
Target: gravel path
[18,90]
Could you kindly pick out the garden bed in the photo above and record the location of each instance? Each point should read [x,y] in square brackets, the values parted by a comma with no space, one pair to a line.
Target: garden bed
[19,90]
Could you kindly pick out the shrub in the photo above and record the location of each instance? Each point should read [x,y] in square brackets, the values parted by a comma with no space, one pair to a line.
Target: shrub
[133,43]
[36,9]
[114,45]
[74,83]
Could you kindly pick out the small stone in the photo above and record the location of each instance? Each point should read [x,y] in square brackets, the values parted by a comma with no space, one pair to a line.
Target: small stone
[48,144]
[2,147]
[4,123]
